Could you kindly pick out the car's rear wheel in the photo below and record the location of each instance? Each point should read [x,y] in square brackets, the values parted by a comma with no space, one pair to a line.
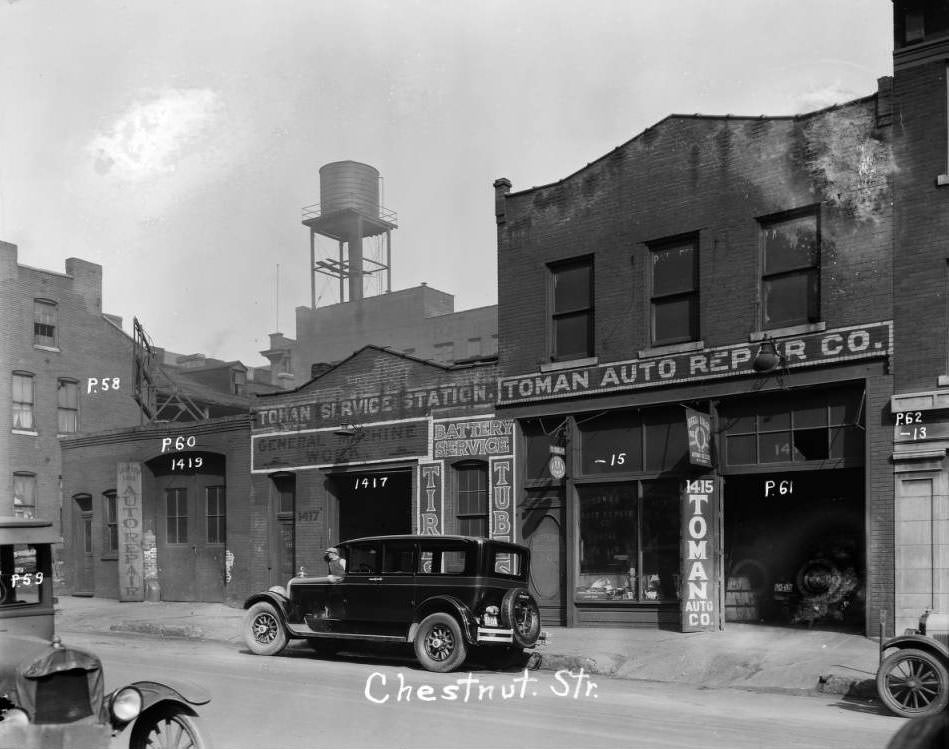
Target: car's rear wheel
[519,612]
[439,644]
[913,683]
[263,629]
[167,728]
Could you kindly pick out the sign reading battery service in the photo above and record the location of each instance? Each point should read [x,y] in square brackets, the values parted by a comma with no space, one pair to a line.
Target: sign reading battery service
[324,447]
[839,345]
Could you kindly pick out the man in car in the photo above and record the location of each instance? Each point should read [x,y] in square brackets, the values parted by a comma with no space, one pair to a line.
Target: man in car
[337,565]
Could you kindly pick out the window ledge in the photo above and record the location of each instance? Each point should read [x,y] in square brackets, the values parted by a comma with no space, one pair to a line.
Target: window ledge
[60,435]
[942,381]
[25,432]
[673,348]
[942,179]
[812,327]
[47,348]
[553,366]
[112,556]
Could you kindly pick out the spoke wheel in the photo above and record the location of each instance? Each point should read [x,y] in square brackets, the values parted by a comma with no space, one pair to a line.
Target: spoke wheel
[519,612]
[913,683]
[439,644]
[263,630]
[167,729]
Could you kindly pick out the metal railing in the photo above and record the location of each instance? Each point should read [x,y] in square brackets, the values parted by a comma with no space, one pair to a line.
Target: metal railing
[350,202]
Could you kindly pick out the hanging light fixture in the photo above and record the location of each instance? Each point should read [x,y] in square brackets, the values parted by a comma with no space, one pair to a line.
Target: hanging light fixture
[768,357]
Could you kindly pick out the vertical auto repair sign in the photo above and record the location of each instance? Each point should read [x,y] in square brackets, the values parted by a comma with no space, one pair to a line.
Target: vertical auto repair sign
[128,499]
[699,586]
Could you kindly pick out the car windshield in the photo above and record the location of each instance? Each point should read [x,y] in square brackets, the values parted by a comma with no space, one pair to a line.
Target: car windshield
[23,570]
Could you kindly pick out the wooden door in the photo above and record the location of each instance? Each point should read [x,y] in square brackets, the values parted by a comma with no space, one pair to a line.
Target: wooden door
[544,536]
[85,582]
[191,537]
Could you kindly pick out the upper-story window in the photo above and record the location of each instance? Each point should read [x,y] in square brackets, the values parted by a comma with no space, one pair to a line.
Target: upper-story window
[675,291]
[24,495]
[238,381]
[790,279]
[44,322]
[23,401]
[571,309]
[472,498]
[67,403]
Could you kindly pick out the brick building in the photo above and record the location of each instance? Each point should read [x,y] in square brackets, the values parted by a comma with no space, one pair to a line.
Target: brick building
[700,321]
[67,368]
[920,525]
[155,512]
[380,443]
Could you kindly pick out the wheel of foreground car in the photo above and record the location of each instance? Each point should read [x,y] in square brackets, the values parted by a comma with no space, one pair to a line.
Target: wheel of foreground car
[519,612]
[439,644]
[263,629]
[913,682]
[167,729]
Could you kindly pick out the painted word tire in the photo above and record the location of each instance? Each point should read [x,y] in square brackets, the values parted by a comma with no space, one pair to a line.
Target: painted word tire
[439,643]
[263,629]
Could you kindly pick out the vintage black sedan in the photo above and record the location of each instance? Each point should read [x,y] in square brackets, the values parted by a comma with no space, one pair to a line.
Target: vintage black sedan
[443,594]
[52,695]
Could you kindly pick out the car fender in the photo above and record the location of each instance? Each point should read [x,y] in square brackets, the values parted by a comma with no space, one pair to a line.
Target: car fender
[450,605]
[181,694]
[920,642]
[276,596]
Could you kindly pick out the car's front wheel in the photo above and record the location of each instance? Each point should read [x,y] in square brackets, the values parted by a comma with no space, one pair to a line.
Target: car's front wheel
[913,683]
[263,629]
[167,728]
[439,644]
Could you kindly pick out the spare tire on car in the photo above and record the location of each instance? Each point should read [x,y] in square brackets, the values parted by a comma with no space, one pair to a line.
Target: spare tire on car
[519,612]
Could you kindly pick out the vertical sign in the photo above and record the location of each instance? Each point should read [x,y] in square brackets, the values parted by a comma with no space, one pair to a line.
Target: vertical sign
[699,427]
[699,580]
[501,517]
[128,490]
[431,498]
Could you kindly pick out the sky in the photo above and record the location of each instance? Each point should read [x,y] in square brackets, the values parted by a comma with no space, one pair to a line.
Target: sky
[175,142]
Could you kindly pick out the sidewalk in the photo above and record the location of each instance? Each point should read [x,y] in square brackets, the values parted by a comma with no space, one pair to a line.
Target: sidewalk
[742,657]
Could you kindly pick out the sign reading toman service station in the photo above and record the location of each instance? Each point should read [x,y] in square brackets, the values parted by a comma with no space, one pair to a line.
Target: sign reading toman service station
[827,347]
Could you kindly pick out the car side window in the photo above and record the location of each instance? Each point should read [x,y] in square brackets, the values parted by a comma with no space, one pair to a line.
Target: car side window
[445,560]
[398,558]
[363,558]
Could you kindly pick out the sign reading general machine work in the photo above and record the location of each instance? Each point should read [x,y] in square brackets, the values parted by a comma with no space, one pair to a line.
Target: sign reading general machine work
[316,448]
[828,347]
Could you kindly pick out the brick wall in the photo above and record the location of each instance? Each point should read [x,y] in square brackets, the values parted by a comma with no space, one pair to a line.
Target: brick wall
[716,177]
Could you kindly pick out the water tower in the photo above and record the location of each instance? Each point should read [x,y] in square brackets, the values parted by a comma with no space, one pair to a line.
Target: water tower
[349,212]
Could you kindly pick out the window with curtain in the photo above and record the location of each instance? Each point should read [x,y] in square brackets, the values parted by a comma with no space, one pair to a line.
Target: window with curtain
[24,495]
[67,396]
[23,401]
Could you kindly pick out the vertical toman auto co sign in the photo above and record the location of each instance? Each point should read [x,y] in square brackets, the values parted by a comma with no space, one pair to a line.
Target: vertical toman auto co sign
[128,494]
[698,584]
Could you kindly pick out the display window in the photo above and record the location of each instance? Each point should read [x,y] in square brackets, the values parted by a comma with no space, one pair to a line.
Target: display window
[629,541]
[651,440]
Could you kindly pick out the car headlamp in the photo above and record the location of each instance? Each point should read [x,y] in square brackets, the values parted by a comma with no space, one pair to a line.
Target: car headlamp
[126,704]
[16,717]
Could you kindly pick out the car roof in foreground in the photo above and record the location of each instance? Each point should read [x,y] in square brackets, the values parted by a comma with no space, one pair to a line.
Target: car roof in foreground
[17,530]
[417,537]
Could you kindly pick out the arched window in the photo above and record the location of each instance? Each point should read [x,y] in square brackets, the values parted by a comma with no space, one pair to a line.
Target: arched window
[472,482]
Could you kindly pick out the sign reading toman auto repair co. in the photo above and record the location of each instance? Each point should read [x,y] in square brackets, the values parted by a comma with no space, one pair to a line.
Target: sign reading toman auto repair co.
[827,347]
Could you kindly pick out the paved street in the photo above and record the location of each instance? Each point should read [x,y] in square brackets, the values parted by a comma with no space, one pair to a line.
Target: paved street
[301,700]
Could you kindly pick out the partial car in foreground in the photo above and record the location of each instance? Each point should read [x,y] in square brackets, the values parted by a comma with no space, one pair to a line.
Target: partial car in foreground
[52,695]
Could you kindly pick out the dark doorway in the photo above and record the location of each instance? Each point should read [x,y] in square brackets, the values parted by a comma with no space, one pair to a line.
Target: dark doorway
[373,503]
[795,546]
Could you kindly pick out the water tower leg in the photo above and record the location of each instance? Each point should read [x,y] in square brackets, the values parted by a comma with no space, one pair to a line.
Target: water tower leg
[312,272]
[388,261]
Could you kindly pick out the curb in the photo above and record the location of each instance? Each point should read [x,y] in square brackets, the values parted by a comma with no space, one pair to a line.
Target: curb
[180,631]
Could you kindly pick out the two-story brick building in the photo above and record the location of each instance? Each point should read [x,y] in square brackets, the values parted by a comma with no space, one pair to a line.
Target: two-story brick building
[700,321]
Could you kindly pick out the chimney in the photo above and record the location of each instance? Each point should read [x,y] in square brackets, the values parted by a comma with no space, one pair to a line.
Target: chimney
[502,187]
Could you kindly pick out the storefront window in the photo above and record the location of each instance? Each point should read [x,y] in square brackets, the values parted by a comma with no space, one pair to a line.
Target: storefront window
[611,443]
[798,429]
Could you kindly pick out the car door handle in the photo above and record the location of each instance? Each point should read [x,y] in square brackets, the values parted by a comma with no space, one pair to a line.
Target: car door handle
[375,579]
